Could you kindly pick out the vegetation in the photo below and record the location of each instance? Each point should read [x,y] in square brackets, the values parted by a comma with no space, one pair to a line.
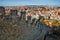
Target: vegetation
[56,22]
[42,20]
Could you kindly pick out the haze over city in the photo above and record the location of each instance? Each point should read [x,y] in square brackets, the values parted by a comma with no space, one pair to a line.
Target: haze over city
[28,2]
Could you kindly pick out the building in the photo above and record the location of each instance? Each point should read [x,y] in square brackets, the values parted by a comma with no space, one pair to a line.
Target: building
[2,11]
[7,11]
[13,12]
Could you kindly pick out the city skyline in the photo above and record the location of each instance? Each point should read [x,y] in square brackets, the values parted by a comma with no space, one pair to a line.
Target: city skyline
[28,2]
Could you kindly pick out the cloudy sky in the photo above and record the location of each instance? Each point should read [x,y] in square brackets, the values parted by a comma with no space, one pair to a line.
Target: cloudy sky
[28,2]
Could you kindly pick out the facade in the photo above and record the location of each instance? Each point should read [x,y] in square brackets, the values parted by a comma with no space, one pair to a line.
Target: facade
[7,11]
[2,11]
[13,12]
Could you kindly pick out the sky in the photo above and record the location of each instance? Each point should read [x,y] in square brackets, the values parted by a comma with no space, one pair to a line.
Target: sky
[28,2]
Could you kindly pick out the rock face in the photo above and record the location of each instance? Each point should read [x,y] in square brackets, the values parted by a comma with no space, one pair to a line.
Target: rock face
[53,34]
[23,31]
